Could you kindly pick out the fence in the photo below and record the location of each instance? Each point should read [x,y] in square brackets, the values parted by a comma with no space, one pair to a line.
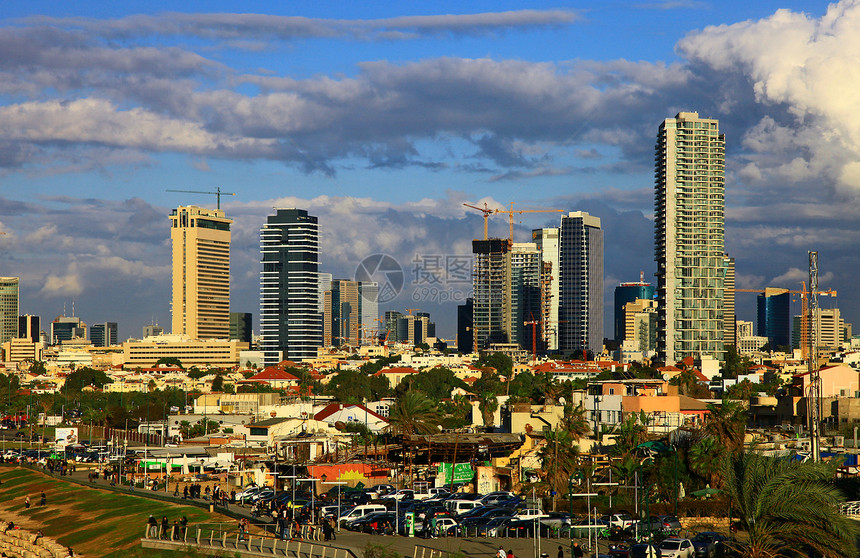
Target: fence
[233,540]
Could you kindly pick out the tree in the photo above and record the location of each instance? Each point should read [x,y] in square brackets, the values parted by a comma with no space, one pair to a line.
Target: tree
[436,383]
[86,376]
[414,413]
[706,460]
[787,507]
[727,422]
[502,363]
[735,364]
[169,361]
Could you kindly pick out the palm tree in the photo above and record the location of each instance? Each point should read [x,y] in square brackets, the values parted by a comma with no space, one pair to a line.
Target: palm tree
[412,413]
[787,507]
[705,459]
[727,422]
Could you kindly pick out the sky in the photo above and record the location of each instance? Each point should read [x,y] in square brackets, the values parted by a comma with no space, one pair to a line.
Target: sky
[384,118]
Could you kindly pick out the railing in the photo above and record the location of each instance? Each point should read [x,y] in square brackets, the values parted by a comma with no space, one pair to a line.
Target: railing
[218,537]
[851,509]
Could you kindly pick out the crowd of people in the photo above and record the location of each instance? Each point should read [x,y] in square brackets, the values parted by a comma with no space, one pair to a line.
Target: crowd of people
[166,531]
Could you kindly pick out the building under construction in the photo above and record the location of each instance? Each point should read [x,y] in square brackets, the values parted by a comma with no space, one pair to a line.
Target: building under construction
[489,281]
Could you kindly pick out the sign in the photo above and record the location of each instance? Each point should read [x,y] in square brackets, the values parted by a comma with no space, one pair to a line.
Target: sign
[463,472]
[66,436]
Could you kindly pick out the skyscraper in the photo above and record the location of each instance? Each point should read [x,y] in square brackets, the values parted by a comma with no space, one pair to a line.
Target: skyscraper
[368,301]
[489,285]
[8,308]
[29,327]
[523,303]
[240,326]
[689,207]
[546,240]
[729,315]
[581,283]
[201,272]
[773,317]
[103,334]
[290,322]
[66,328]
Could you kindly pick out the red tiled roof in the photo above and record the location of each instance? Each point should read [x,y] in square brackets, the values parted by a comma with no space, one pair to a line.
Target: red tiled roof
[272,373]
[332,408]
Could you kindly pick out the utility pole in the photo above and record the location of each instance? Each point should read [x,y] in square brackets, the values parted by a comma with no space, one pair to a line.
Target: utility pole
[814,395]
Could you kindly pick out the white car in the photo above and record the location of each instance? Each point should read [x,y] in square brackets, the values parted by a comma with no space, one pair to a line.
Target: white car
[620,520]
[530,513]
[402,494]
[677,548]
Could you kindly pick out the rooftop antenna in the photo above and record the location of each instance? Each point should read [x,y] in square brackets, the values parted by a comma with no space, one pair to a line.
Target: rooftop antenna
[217,193]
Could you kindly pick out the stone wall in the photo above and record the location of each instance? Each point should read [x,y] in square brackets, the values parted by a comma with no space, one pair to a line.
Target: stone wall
[20,543]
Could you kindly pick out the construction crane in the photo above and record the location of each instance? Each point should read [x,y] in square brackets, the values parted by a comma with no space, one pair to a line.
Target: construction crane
[804,317]
[486,211]
[217,193]
[512,211]
[410,310]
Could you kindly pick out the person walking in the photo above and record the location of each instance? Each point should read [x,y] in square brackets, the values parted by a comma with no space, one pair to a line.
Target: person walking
[560,552]
[510,553]
[576,551]
[27,502]
[43,499]
[153,527]
[165,526]
[501,552]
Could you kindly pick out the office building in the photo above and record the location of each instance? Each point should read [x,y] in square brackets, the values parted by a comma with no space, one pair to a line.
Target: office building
[29,327]
[625,293]
[546,240]
[290,322]
[240,326]
[489,281]
[218,353]
[66,328]
[640,324]
[341,314]
[773,317]
[201,272]
[689,209]
[8,308]
[465,341]
[581,284]
[368,301]
[103,334]
[152,330]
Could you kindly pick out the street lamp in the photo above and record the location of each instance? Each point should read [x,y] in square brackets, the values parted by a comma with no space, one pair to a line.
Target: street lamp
[339,483]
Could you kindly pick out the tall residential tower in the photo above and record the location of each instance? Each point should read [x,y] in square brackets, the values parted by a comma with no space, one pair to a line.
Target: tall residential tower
[689,208]
[201,272]
[580,310]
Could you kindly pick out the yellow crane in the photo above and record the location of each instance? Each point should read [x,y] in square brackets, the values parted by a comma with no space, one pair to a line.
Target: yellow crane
[486,211]
[512,211]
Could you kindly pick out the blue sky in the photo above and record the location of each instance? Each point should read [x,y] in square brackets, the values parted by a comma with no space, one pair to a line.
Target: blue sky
[384,118]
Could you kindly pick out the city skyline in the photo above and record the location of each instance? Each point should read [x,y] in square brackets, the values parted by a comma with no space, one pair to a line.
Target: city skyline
[382,121]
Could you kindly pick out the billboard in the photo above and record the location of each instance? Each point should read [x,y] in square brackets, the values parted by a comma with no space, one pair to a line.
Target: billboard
[463,472]
[66,436]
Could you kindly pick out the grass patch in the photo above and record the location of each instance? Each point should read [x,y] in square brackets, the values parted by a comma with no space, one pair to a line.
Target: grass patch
[92,521]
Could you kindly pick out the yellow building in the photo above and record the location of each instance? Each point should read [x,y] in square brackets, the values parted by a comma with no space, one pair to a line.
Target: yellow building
[205,354]
[201,272]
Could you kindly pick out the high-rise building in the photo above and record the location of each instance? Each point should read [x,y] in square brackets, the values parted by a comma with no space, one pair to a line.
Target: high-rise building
[689,208]
[290,324]
[342,315]
[581,289]
[152,330]
[103,334]
[773,317]
[546,240]
[368,301]
[201,272]
[465,341]
[831,329]
[66,328]
[640,324]
[8,308]
[29,327]
[489,282]
[522,300]
[240,326]
[629,292]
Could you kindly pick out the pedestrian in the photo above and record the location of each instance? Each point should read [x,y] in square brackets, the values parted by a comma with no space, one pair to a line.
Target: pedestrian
[183,524]
[27,502]
[185,492]
[501,552]
[560,552]
[175,534]
[576,551]
[510,553]
[153,527]
[43,499]
[165,526]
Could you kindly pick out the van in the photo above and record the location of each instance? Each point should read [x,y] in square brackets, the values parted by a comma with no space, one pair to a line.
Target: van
[459,507]
[360,511]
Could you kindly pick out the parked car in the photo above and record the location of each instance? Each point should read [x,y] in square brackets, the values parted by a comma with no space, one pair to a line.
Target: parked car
[494,527]
[621,520]
[670,523]
[440,527]
[677,548]
[474,521]
[708,544]
[580,529]
[402,494]
[555,520]
[530,513]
